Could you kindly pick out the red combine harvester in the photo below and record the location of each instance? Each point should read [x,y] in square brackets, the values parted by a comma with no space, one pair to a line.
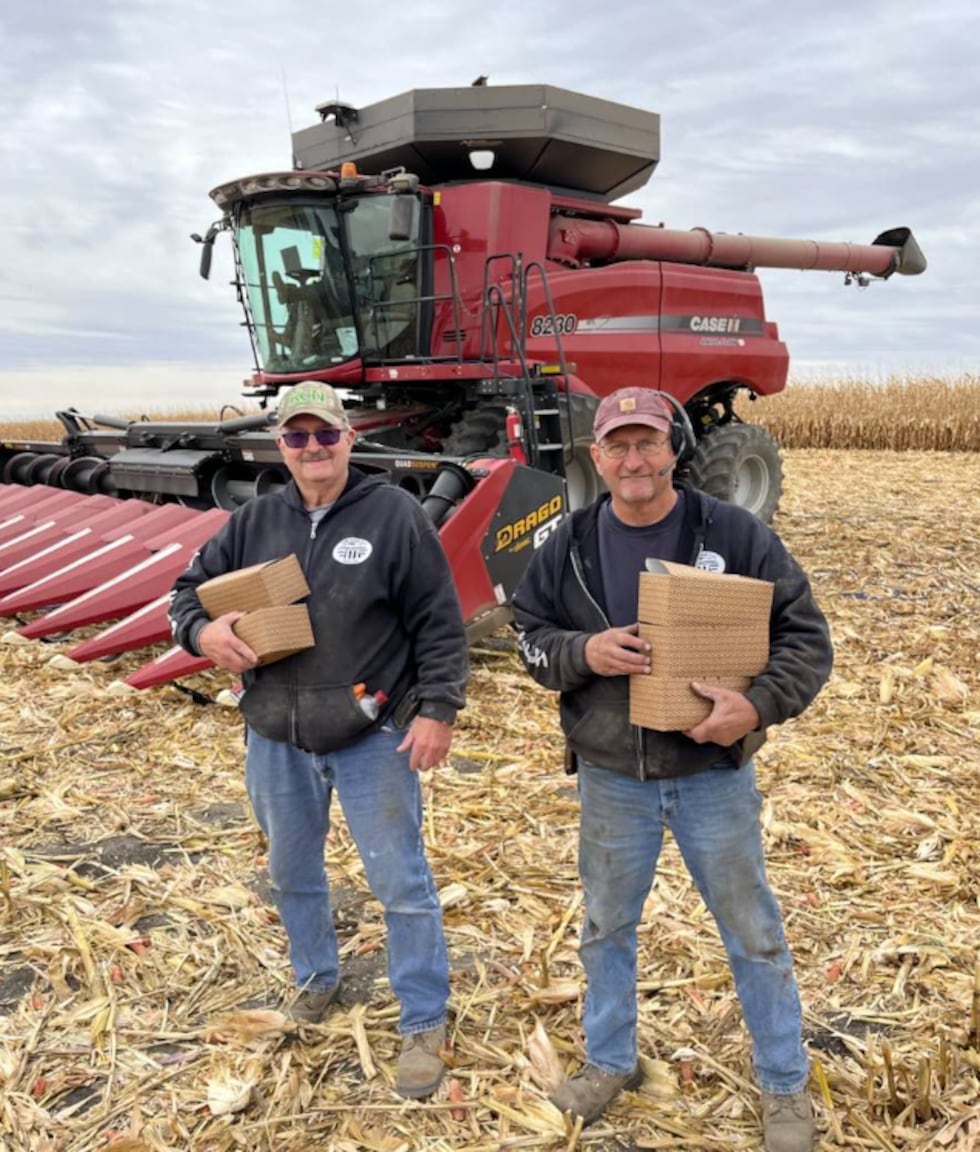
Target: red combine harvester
[451,259]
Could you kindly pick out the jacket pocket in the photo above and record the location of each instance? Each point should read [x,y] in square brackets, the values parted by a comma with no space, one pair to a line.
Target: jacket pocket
[318,718]
[602,735]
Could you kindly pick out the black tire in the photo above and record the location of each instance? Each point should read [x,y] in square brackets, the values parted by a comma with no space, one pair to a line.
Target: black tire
[739,463]
[484,433]
[480,432]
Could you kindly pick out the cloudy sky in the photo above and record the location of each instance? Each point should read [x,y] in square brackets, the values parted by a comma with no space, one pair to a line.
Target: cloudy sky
[827,121]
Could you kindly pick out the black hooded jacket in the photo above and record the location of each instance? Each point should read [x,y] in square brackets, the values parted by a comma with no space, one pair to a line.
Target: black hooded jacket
[382,604]
[559,604]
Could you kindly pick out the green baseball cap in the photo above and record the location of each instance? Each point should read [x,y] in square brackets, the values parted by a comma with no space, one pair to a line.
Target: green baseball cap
[311,398]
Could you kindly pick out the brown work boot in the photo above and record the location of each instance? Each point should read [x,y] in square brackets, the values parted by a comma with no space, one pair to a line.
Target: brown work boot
[590,1091]
[311,1004]
[787,1122]
[420,1065]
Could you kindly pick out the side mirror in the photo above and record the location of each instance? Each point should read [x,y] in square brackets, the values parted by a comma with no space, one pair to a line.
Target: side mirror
[205,268]
[401,218]
[208,241]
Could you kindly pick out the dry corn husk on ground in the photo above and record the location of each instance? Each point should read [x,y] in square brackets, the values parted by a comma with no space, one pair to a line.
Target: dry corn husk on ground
[143,968]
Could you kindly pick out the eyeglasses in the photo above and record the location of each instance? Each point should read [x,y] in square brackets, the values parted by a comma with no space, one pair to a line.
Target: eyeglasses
[619,449]
[325,437]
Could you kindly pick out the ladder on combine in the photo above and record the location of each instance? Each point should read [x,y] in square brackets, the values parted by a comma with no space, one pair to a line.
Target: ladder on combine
[532,389]
[536,392]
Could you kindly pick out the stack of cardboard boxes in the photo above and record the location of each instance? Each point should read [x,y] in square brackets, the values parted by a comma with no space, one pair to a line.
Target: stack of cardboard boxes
[274,625]
[704,626]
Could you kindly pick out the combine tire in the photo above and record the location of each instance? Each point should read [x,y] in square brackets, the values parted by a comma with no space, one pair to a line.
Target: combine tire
[479,433]
[739,463]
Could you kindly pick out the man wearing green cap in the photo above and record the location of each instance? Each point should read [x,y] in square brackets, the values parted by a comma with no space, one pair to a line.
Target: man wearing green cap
[385,615]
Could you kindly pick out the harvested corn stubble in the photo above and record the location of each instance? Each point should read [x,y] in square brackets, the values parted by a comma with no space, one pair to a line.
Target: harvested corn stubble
[143,967]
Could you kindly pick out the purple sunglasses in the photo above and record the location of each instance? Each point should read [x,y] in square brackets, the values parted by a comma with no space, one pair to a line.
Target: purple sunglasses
[325,437]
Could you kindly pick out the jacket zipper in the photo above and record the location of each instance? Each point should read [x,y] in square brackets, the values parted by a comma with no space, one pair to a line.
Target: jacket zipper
[639,734]
[293,685]
[700,537]
[573,556]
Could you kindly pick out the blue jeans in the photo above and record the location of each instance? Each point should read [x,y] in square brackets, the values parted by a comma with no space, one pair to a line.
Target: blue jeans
[714,817]
[381,797]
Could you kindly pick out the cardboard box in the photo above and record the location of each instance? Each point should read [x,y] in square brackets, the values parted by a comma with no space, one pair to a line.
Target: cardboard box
[273,626]
[707,626]
[670,704]
[277,632]
[277,582]
[672,594]
[699,651]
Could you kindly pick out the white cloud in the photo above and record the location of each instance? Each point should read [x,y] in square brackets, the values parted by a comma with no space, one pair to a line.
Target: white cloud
[832,122]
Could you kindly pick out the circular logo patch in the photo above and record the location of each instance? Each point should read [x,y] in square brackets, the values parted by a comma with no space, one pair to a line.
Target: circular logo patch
[710,562]
[352,550]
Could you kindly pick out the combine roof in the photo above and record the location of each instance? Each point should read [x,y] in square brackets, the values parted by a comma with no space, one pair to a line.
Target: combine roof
[537,133]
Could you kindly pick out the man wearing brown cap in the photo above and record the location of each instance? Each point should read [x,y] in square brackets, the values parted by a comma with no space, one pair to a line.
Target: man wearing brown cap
[576,608]
[386,623]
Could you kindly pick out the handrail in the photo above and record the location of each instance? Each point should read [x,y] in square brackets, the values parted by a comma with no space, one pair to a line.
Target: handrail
[517,344]
[532,266]
[415,302]
[516,281]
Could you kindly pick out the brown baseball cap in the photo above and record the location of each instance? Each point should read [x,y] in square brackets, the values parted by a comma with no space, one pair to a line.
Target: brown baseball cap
[311,398]
[632,406]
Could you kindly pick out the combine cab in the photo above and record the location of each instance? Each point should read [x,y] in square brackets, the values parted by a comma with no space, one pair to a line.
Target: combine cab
[451,259]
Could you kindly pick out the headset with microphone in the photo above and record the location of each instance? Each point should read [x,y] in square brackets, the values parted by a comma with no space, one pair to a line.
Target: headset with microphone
[682,438]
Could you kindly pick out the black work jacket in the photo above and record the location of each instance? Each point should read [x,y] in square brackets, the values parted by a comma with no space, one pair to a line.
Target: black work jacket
[382,604]
[559,604]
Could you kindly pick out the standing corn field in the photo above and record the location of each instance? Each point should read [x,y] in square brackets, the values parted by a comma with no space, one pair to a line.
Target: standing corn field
[901,414]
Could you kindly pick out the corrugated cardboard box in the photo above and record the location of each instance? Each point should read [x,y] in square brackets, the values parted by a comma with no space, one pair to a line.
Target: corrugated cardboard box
[274,627]
[680,594]
[259,586]
[705,626]
[277,632]
[671,705]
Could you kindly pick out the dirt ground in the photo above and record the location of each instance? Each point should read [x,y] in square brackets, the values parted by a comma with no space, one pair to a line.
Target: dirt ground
[142,962]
